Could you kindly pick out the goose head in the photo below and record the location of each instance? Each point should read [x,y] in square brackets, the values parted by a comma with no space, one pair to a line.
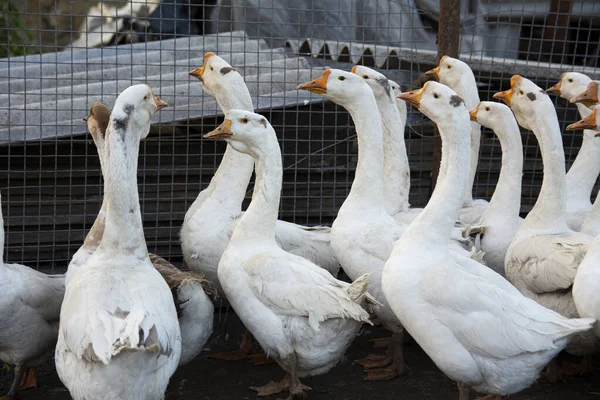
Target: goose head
[491,115]
[592,122]
[215,73]
[570,85]
[379,84]
[589,97]
[341,87]
[245,131]
[438,102]
[527,101]
[97,122]
[450,71]
[134,108]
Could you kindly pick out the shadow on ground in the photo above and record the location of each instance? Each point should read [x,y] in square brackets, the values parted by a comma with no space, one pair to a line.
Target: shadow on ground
[206,379]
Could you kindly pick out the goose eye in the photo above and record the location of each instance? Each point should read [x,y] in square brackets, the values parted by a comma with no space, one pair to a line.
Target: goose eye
[342,78]
[365,76]
[521,92]
[571,80]
[487,109]
[211,68]
[449,66]
[244,120]
[436,96]
[146,98]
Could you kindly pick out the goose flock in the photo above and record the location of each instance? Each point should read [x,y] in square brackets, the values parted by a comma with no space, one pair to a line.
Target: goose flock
[492,298]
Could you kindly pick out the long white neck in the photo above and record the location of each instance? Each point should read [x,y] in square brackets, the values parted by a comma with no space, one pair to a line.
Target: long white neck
[259,221]
[585,169]
[395,160]
[367,187]
[591,224]
[548,213]
[123,233]
[467,90]
[435,223]
[230,182]
[507,196]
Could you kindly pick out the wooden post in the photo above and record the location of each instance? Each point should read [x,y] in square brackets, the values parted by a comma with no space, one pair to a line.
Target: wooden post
[448,39]
[554,46]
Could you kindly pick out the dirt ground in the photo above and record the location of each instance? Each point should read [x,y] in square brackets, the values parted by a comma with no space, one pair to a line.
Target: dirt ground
[205,379]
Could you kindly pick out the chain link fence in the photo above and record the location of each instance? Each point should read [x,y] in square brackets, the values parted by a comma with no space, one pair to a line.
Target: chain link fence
[59,56]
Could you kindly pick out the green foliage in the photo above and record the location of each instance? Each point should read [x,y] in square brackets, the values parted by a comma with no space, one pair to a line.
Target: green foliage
[13,33]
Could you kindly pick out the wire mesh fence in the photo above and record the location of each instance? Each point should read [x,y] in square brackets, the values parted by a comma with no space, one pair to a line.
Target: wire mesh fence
[60,56]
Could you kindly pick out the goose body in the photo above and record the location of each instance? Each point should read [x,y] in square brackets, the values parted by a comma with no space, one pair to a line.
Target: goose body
[477,328]
[582,175]
[119,336]
[29,310]
[543,258]
[458,76]
[501,219]
[300,314]
[191,291]
[210,221]
[586,286]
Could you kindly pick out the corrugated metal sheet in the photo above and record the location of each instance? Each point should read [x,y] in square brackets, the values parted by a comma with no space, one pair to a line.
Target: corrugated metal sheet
[46,96]
[381,56]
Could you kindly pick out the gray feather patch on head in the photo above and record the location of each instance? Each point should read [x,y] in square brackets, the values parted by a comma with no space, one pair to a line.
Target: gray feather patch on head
[120,124]
[226,70]
[264,122]
[531,96]
[455,100]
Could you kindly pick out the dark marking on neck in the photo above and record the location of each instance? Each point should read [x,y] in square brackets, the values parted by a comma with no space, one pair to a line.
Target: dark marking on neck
[531,96]
[131,211]
[264,122]
[385,84]
[128,108]
[120,124]
[226,70]
[455,100]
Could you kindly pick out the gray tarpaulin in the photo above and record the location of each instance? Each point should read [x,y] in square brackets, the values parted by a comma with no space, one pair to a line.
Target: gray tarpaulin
[402,23]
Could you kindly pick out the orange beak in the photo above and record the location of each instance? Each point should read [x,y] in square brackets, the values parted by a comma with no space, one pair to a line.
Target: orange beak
[198,72]
[588,122]
[159,103]
[473,113]
[507,95]
[413,97]
[589,98]
[353,70]
[223,131]
[556,88]
[319,85]
[435,72]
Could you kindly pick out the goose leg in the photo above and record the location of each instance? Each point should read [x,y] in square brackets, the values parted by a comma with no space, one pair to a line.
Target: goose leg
[393,361]
[290,382]
[29,379]
[245,351]
[463,391]
[16,385]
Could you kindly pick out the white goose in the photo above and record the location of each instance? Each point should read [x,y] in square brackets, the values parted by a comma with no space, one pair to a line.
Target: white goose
[458,76]
[589,97]
[501,220]
[301,315]
[582,175]
[190,290]
[29,310]
[363,233]
[210,221]
[119,336]
[586,287]
[543,258]
[476,327]
[212,217]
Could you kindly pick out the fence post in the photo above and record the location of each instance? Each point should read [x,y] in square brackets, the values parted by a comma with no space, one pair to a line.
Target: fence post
[448,41]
